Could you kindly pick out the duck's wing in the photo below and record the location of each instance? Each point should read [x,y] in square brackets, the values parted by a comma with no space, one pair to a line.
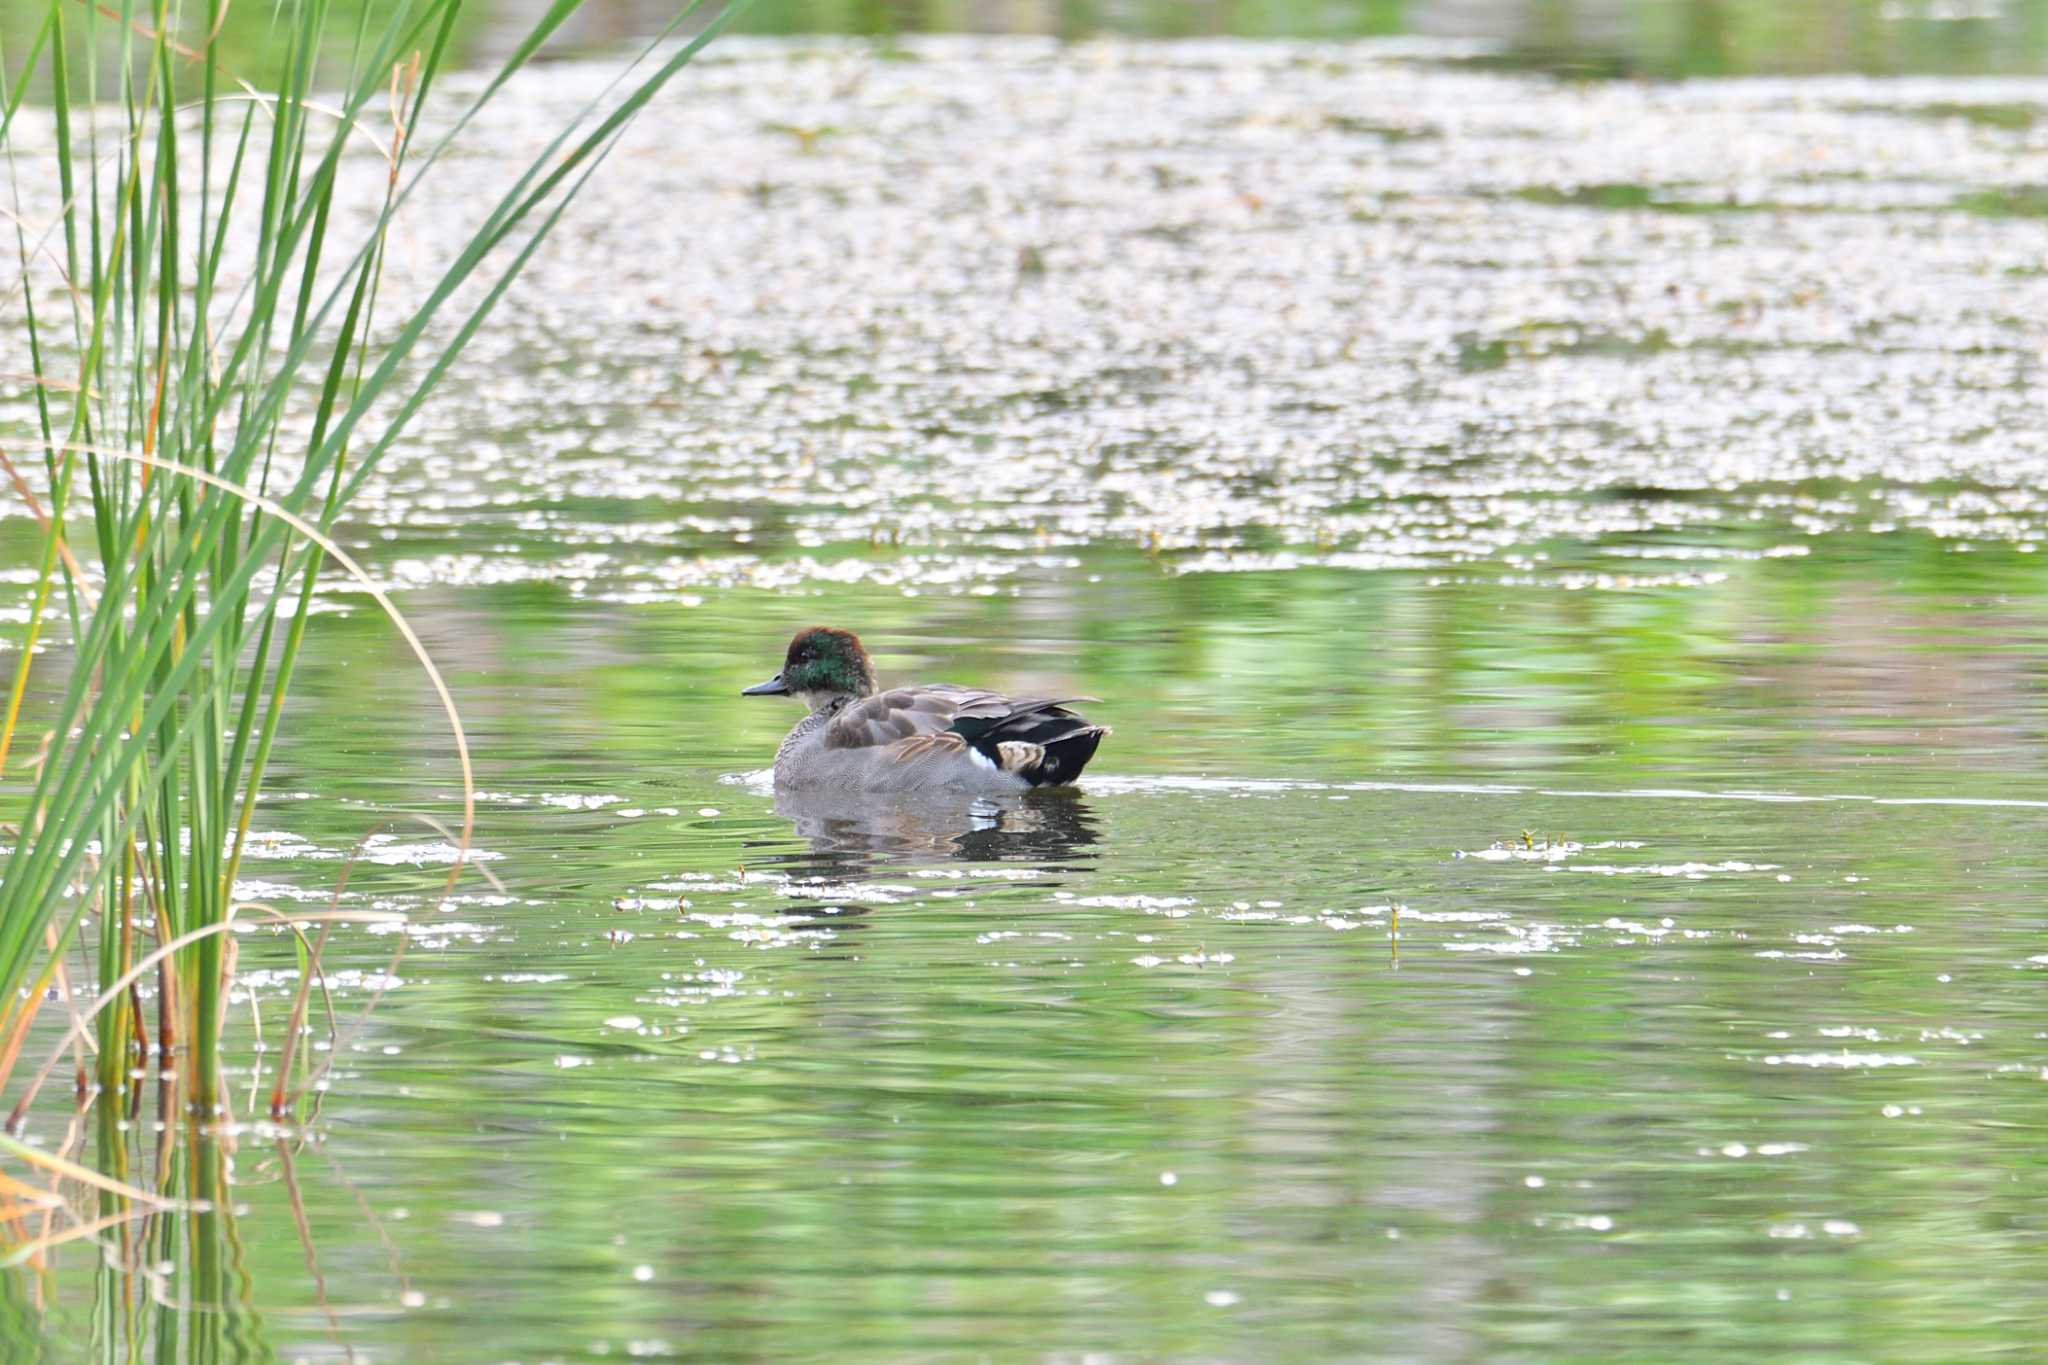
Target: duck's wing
[901,713]
[1033,737]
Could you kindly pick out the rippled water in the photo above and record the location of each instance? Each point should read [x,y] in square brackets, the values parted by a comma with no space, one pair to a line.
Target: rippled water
[1560,563]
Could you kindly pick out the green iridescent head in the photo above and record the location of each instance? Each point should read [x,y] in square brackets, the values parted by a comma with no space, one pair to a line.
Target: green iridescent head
[822,663]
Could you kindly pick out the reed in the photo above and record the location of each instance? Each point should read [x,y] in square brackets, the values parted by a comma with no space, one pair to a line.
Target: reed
[215,371]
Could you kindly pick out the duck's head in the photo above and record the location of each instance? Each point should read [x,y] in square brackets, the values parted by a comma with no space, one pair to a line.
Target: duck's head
[822,665]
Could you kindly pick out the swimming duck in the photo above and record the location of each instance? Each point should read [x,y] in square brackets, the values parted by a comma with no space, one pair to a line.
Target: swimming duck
[932,736]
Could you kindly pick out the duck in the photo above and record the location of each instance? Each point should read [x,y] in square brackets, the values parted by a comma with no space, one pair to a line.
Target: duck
[929,737]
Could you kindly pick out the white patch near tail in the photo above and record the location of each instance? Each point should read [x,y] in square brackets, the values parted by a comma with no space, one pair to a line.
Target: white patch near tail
[1017,756]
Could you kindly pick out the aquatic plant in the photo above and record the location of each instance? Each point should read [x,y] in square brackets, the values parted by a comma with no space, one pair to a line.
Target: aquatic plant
[215,370]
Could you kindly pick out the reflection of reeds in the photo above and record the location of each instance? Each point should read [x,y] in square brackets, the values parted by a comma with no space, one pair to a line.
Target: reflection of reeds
[215,372]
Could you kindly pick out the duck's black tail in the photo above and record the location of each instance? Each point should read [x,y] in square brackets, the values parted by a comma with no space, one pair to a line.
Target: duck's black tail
[1041,742]
[1051,763]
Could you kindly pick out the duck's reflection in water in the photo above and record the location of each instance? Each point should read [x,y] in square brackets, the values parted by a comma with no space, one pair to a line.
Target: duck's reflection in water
[852,836]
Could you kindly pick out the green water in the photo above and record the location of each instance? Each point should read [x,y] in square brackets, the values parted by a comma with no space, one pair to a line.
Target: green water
[1146,1071]
[1594,39]
[1565,882]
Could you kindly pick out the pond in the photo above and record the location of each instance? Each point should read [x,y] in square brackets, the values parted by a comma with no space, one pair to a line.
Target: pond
[1561,563]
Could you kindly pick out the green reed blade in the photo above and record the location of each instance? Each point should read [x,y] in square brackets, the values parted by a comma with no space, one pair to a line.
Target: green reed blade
[156,731]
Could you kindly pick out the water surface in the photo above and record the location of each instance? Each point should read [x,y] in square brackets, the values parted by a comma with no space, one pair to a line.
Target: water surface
[1561,565]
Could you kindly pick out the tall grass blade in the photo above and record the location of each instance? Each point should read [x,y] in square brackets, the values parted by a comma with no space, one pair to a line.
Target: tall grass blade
[215,379]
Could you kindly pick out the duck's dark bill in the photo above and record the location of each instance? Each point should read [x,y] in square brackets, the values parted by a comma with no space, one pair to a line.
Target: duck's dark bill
[772,688]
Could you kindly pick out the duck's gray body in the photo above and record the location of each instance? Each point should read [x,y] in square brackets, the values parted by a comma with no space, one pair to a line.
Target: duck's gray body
[935,737]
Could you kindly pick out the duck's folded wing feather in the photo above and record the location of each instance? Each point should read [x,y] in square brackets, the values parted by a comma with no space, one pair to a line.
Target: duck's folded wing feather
[931,734]
[888,717]
[936,709]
